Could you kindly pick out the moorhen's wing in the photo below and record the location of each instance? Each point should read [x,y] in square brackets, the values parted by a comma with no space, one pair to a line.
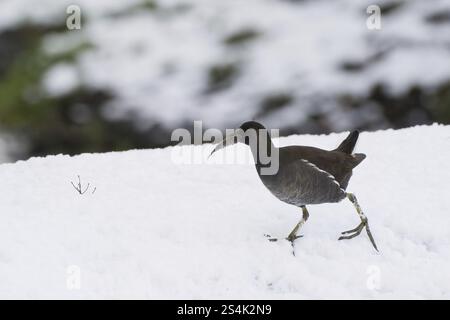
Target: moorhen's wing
[337,164]
[301,182]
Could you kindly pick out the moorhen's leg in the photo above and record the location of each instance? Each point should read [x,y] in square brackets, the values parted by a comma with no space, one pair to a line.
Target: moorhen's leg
[293,235]
[364,223]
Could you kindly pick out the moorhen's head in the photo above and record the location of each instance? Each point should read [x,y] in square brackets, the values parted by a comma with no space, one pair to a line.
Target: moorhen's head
[251,125]
[243,134]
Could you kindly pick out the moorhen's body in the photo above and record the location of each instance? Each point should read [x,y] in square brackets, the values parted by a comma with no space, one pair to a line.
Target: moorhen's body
[304,175]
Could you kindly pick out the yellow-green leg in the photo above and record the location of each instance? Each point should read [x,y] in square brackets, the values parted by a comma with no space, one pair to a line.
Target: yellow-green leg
[293,235]
[364,223]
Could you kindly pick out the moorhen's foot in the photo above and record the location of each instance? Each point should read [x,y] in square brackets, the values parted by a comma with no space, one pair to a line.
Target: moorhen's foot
[356,232]
[358,228]
[292,238]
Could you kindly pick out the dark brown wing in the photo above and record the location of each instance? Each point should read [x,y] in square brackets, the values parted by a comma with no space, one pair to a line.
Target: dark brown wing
[301,183]
[336,163]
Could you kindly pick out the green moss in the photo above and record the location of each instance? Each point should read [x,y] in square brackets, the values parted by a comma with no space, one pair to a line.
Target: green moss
[21,100]
[149,5]
[145,5]
[390,7]
[440,104]
[276,101]
[438,17]
[221,76]
[49,125]
[241,37]
[352,66]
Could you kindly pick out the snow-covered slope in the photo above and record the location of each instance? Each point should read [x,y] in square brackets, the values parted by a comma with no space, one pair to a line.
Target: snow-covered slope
[157,229]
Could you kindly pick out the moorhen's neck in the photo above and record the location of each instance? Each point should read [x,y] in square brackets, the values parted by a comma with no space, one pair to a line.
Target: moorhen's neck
[263,150]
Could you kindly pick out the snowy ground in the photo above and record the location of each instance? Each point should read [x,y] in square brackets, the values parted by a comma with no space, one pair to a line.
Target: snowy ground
[156,229]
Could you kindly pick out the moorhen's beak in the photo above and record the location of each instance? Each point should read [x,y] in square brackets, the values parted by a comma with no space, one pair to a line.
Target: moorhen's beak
[230,139]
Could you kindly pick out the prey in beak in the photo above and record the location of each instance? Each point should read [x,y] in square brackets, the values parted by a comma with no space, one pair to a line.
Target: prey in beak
[230,139]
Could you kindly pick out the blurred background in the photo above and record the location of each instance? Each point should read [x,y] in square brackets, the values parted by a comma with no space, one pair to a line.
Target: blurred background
[137,69]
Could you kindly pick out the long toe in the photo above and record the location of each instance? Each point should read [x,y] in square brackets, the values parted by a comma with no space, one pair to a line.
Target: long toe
[359,227]
[352,233]
[372,240]
[293,238]
[357,231]
[350,236]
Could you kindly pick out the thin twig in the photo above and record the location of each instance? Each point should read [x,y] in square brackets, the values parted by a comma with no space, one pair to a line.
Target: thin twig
[79,187]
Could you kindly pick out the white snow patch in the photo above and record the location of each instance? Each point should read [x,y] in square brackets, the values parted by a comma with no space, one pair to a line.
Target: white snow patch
[61,79]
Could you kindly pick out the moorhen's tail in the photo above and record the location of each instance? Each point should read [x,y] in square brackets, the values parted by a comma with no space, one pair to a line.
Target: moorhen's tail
[358,158]
[349,143]
[347,147]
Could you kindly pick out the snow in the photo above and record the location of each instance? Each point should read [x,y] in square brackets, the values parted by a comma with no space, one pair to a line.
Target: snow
[61,79]
[157,229]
